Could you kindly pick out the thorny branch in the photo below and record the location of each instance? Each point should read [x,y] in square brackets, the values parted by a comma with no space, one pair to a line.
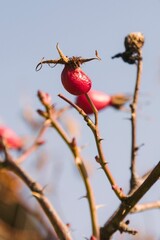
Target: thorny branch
[133,106]
[116,221]
[112,224]
[101,158]
[50,115]
[138,186]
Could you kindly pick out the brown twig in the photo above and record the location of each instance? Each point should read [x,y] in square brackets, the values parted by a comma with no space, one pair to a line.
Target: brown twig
[145,206]
[113,223]
[133,106]
[101,158]
[37,191]
[123,227]
[51,116]
[83,171]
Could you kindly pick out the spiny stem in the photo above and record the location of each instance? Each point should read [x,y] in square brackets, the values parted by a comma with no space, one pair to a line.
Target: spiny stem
[82,169]
[80,111]
[104,165]
[118,216]
[133,107]
[102,161]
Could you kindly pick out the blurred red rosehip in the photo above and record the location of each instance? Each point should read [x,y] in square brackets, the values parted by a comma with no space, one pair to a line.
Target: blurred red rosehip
[10,138]
[101,100]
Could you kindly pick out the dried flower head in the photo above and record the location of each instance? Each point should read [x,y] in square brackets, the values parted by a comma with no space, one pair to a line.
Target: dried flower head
[134,41]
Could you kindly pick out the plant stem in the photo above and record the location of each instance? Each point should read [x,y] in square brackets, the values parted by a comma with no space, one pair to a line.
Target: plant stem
[146,206]
[104,165]
[101,159]
[83,172]
[112,225]
[133,106]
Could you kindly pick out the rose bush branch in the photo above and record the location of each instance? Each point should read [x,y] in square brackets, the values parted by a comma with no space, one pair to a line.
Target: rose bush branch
[146,206]
[76,82]
[133,55]
[133,106]
[112,225]
[50,115]
[60,228]
[101,158]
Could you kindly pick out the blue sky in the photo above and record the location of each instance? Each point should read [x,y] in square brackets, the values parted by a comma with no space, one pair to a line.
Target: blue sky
[30,31]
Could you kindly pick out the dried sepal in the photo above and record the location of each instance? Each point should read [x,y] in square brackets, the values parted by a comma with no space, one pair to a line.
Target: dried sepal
[119,100]
[133,43]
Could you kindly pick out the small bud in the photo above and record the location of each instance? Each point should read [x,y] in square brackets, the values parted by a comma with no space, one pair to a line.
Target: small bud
[40,142]
[115,187]
[127,222]
[134,41]
[97,159]
[73,143]
[68,225]
[45,98]
[42,113]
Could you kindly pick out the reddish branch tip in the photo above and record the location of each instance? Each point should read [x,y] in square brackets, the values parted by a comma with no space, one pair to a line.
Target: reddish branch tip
[45,98]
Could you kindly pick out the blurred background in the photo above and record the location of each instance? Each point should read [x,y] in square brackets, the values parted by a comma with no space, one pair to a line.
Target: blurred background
[30,31]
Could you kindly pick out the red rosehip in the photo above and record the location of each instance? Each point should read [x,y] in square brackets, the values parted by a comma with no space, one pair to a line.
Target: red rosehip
[74,80]
[10,138]
[101,100]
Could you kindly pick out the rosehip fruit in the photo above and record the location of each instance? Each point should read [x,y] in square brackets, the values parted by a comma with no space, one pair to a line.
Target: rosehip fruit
[10,138]
[101,100]
[74,80]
